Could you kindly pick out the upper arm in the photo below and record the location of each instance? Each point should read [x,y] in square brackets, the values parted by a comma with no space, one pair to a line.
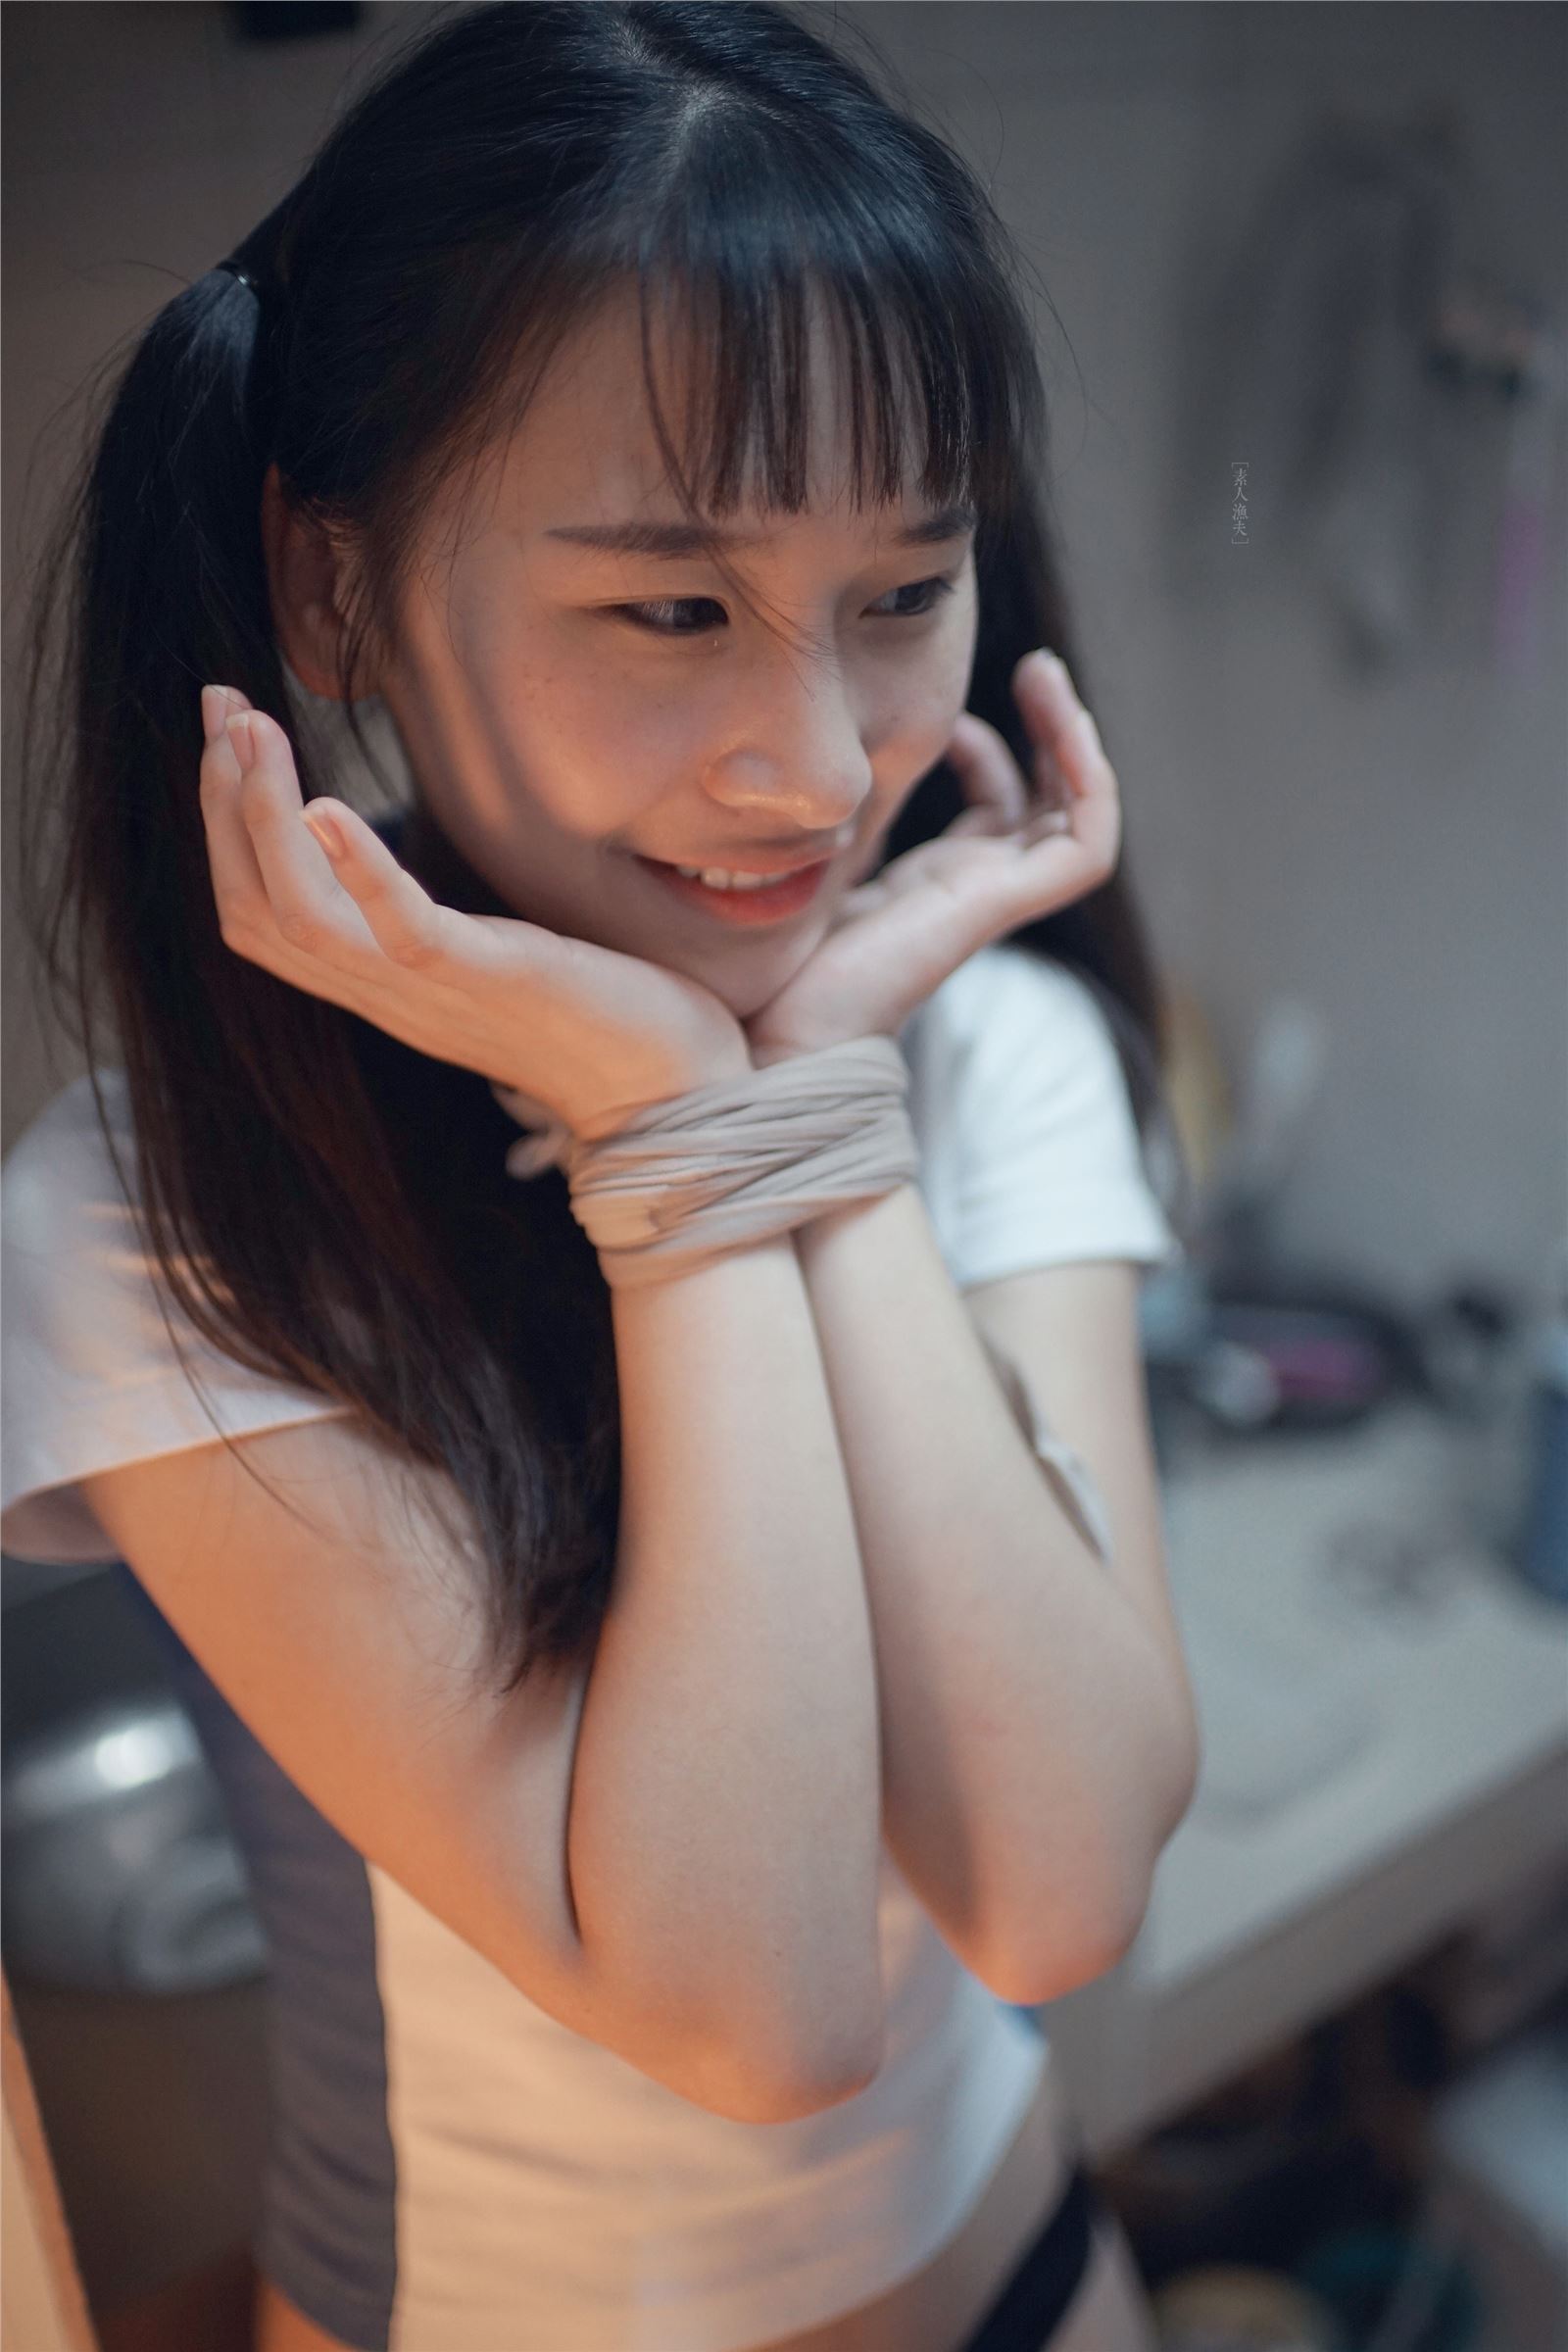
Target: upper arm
[340,1617]
[1073,1333]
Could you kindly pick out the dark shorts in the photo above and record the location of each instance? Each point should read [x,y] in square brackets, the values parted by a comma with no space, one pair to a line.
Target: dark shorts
[1047,2276]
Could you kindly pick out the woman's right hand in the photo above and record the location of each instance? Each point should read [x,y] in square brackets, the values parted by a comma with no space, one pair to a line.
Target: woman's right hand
[584,1032]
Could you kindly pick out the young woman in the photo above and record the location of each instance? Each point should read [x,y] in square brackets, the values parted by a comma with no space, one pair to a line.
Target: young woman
[677,1696]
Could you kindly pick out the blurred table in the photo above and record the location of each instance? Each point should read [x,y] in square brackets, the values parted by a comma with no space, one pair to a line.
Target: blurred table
[1384,1711]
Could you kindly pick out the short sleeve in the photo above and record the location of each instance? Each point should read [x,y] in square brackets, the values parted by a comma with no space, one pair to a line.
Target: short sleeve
[89,1378]
[1030,1148]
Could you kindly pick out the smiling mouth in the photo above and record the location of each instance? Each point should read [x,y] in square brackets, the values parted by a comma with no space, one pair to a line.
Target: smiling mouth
[761,902]
[748,867]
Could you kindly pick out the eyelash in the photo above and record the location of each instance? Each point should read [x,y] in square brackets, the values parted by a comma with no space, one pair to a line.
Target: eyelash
[634,614]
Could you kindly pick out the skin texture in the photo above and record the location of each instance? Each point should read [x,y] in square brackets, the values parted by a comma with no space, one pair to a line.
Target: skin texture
[548,738]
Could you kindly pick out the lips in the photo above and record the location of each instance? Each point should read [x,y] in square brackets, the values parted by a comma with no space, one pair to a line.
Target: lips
[793,890]
[745,862]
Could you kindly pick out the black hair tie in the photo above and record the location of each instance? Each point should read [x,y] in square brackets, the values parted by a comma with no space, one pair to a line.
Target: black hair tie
[265,240]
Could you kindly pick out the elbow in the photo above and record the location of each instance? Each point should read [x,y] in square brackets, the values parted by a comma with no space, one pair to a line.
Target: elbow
[807,2054]
[787,2096]
[1030,1981]
[852,2059]
[1159,1801]
[828,2087]
[1103,1928]
[1181,1763]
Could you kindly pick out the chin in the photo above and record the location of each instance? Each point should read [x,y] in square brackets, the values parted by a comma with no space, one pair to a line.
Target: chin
[745,983]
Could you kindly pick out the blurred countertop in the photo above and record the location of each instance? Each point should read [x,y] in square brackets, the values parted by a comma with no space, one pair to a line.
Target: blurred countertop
[1385,1718]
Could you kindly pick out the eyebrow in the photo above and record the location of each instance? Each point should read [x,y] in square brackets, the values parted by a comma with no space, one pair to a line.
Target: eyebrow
[675,539]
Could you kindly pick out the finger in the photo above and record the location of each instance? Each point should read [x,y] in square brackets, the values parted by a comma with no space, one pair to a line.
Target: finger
[394,919]
[1081,757]
[1043,689]
[239,882]
[313,910]
[245,915]
[406,923]
[993,784]
[1087,833]
[245,912]
[1064,727]
[216,704]
[238,886]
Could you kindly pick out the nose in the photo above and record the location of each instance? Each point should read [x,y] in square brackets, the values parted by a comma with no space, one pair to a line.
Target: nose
[803,762]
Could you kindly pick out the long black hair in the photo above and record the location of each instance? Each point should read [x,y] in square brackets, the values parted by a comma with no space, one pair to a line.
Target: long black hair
[321,1201]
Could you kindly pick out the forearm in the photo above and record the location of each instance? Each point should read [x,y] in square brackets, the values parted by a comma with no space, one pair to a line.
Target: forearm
[1032,1743]
[725,1812]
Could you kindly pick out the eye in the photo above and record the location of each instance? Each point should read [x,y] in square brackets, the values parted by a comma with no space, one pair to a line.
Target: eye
[644,617]
[647,615]
[932,590]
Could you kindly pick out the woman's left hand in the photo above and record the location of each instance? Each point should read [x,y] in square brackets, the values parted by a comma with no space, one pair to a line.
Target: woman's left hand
[1017,853]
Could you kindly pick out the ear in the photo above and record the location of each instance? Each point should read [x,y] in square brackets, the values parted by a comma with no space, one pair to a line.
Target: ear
[306,578]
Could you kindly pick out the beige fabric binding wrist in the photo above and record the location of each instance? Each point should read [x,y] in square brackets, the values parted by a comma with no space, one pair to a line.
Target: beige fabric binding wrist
[688,1180]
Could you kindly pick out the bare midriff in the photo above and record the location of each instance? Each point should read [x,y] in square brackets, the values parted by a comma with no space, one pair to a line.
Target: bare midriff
[935,2310]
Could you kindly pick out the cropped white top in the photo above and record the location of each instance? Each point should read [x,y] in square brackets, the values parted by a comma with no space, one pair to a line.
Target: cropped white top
[452,2169]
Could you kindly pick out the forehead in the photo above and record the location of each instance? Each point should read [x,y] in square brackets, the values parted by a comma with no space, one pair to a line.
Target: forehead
[586,449]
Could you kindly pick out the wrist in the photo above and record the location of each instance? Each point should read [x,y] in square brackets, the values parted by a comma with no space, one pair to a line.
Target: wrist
[766,1048]
[715,1068]
[816,1235]
[659,1187]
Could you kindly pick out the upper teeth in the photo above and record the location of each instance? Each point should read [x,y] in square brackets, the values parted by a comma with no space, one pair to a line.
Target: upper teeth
[716,878]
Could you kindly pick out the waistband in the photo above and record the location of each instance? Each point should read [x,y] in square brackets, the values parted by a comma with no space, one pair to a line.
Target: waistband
[1047,2276]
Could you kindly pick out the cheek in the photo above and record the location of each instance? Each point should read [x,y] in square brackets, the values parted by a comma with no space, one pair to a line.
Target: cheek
[936,688]
[592,761]
[922,726]
[581,752]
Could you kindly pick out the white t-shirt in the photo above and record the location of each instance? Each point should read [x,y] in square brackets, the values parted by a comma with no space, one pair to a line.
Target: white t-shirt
[447,2158]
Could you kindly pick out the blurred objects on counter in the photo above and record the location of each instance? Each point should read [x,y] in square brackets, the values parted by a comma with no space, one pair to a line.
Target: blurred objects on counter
[1249,1341]
[1540,1549]
[1240,1337]
[1503,2125]
[1229,2307]
[1393,2291]
[1317,2199]
[1196,1086]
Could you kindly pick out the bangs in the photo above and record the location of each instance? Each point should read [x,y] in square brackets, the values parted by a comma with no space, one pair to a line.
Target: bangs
[773,253]
[757,249]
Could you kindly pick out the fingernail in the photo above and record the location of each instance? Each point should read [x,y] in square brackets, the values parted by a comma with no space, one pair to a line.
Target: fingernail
[216,704]
[327,832]
[244,742]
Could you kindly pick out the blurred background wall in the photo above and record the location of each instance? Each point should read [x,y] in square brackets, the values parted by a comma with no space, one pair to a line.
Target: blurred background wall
[1344,780]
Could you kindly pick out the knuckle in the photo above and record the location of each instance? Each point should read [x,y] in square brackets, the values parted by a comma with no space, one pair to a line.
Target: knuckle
[414,950]
[301,929]
[254,799]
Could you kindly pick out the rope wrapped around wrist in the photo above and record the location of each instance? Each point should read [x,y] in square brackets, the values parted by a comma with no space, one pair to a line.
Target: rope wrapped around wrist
[684,1181]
